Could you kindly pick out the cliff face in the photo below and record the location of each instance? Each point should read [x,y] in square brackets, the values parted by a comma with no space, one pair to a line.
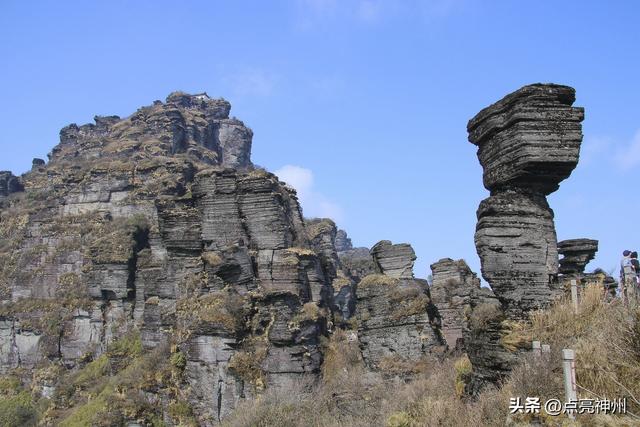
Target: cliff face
[158,224]
[152,240]
[397,321]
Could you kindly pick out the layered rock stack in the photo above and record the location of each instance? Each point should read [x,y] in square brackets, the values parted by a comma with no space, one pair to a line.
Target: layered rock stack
[394,260]
[158,226]
[528,142]
[9,184]
[397,322]
[576,254]
[451,291]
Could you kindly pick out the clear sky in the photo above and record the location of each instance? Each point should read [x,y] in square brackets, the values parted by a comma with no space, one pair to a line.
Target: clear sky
[363,103]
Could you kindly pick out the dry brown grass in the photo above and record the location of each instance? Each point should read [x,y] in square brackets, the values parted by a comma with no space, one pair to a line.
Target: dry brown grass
[606,338]
[377,280]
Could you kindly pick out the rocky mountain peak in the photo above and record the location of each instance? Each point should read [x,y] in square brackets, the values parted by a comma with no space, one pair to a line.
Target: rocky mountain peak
[195,127]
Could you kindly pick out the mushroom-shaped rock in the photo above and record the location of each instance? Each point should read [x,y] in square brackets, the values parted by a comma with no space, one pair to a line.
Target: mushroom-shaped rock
[530,138]
[576,254]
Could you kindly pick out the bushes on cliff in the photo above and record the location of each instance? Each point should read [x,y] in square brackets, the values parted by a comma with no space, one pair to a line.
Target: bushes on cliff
[606,338]
[16,404]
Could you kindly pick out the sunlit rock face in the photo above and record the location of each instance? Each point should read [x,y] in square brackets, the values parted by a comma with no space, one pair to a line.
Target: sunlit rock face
[528,142]
[396,318]
[158,226]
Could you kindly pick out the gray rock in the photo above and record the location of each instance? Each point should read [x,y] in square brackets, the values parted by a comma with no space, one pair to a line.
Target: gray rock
[576,254]
[343,242]
[357,263]
[529,139]
[528,143]
[195,125]
[36,163]
[394,260]
[482,335]
[516,241]
[158,223]
[396,320]
[451,289]
[9,184]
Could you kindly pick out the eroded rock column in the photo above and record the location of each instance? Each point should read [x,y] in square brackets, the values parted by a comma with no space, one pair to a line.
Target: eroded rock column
[528,142]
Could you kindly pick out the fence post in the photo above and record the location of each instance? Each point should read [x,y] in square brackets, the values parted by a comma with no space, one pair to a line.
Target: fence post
[535,346]
[546,349]
[569,370]
[574,295]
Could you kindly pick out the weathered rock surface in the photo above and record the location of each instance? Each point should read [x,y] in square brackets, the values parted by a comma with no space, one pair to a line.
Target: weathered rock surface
[148,267]
[394,260]
[397,321]
[9,184]
[516,241]
[451,289]
[576,254]
[483,341]
[528,142]
[357,263]
[343,242]
[192,124]
[157,225]
[529,139]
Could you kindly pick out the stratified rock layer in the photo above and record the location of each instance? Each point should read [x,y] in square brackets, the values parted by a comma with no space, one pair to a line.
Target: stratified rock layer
[394,260]
[396,320]
[139,226]
[483,343]
[9,184]
[516,241]
[576,254]
[528,142]
[451,289]
[529,139]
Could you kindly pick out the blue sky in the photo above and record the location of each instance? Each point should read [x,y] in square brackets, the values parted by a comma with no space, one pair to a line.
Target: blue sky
[364,103]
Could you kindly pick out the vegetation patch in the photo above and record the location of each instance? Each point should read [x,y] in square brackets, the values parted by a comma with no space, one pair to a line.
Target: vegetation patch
[408,302]
[300,251]
[247,363]
[225,308]
[484,315]
[377,280]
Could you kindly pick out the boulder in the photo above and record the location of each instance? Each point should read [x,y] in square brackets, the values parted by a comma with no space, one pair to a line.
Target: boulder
[394,260]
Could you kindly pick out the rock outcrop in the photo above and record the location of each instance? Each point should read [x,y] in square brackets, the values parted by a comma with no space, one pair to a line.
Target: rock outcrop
[528,142]
[576,254]
[451,290]
[196,125]
[343,242]
[394,260]
[9,184]
[483,336]
[157,227]
[397,322]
